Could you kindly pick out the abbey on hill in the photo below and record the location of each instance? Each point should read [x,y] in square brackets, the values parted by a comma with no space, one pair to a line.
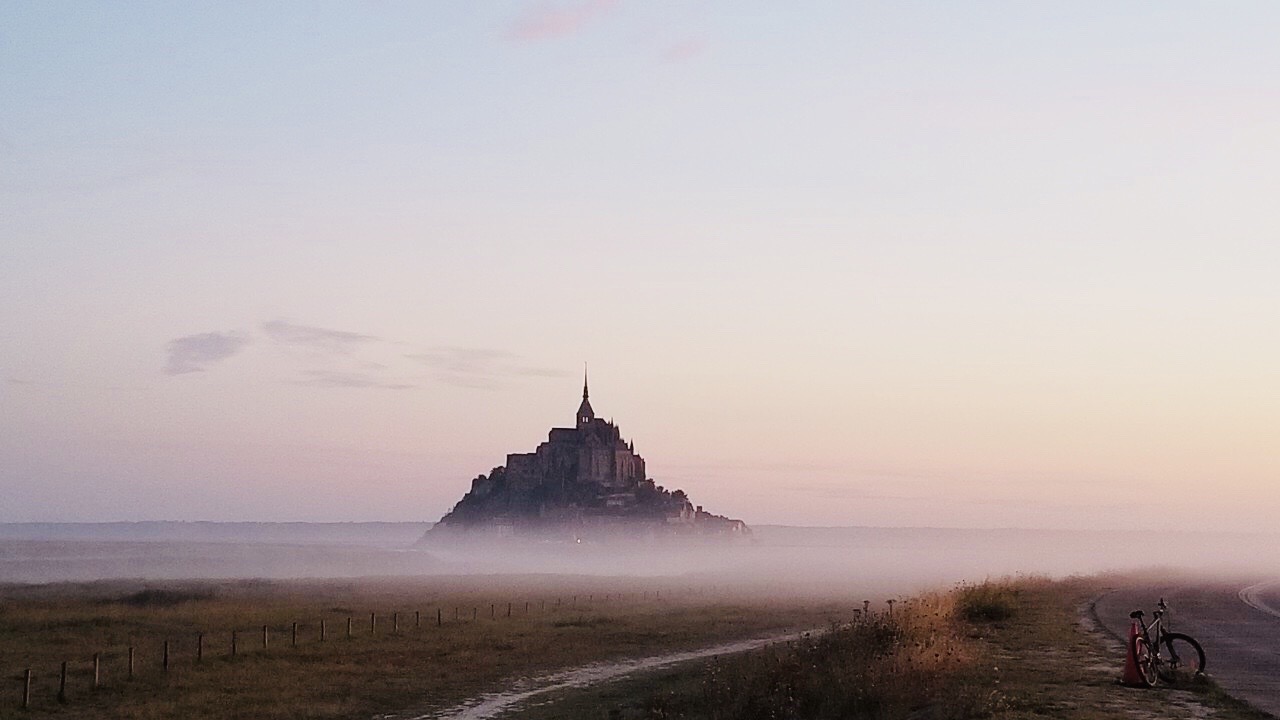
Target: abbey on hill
[584,481]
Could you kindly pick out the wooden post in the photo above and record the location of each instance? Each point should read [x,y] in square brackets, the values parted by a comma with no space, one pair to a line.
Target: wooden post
[199,647]
[96,666]
[526,607]
[373,623]
[264,637]
[26,689]
[575,601]
[164,662]
[293,640]
[417,619]
[439,620]
[492,610]
[591,598]
[395,622]
[233,643]
[322,631]
[508,609]
[348,627]
[890,602]
[475,613]
[543,606]
[130,662]
[455,612]
[62,683]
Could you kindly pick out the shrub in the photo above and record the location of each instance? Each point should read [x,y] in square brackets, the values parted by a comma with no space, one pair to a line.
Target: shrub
[154,597]
[986,602]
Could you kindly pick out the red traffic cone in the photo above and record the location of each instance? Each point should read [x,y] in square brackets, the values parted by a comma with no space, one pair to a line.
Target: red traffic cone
[1133,677]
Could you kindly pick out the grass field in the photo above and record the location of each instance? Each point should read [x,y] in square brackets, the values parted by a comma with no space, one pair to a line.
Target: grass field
[554,622]
[1015,649]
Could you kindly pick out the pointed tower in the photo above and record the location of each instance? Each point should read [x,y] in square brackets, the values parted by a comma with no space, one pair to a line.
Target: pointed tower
[585,413]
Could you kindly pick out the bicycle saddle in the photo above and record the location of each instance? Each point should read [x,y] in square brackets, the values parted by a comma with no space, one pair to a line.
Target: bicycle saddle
[1136,614]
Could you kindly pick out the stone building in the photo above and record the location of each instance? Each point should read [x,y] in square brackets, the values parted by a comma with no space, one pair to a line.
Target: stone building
[583,479]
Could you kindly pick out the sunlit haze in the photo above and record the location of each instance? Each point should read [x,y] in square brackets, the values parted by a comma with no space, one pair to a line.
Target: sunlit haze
[973,265]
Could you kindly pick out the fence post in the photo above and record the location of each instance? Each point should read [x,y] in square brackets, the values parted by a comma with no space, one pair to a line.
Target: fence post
[199,647]
[62,683]
[348,627]
[439,621]
[322,630]
[492,610]
[164,662]
[130,662]
[373,623]
[233,643]
[475,613]
[395,622]
[96,665]
[526,607]
[264,637]
[417,619]
[26,689]
[508,609]
[891,602]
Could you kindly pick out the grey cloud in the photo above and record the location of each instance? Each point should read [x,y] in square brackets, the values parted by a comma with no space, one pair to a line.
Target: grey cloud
[339,379]
[338,341]
[194,353]
[479,368]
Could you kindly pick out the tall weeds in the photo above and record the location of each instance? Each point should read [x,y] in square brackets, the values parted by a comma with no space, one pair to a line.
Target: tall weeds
[912,663]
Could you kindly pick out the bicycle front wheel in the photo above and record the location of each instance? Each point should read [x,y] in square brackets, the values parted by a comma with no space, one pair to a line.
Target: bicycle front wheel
[1182,659]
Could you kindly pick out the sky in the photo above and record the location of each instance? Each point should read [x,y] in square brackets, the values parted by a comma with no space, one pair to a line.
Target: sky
[957,264]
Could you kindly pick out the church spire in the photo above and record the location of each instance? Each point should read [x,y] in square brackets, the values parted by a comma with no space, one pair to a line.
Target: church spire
[585,413]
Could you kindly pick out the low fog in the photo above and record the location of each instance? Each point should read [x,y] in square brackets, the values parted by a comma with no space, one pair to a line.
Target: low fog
[776,559]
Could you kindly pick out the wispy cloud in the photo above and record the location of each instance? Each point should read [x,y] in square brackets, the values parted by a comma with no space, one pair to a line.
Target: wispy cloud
[684,50]
[480,368]
[347,379]
[548,20]
[194,353]
[316,338]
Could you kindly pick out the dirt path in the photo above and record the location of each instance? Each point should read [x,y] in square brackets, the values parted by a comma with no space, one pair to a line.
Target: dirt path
[494,705]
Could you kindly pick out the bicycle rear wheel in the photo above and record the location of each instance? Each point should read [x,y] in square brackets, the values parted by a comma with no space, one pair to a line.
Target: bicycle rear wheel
[1146,662]
[1182,659]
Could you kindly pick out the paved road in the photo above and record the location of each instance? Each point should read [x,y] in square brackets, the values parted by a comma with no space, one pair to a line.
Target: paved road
[1237,622]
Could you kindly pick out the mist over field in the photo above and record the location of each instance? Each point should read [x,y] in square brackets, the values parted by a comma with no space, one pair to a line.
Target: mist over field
[777,559]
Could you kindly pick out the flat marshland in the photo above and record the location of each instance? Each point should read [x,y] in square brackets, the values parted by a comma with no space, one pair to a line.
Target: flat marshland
[1016,649]
[414,644]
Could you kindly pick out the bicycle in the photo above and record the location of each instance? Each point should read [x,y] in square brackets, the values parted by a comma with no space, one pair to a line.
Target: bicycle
[1174,658]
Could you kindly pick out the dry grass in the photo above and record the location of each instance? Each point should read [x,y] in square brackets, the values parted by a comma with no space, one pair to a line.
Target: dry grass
[423,667]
